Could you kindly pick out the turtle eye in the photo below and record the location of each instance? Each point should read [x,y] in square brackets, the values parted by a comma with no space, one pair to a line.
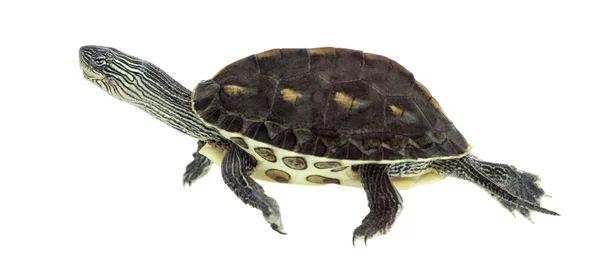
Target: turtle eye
[100,60]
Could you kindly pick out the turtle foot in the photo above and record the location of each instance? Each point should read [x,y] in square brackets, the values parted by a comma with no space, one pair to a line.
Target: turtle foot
[374,224]
[198,168]
[272,214]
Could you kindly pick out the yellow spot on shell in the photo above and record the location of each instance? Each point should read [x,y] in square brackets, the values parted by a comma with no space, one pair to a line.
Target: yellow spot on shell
[345,101]
[290,95]
[234,90]
[396,110]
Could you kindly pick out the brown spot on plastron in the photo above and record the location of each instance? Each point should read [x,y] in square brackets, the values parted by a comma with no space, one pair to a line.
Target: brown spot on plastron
[266,153]
[239,141]
[297,163]
[339,169]
[278,175]
[326,165]
[396,110]
[322,180]
[235,90]
[290,96]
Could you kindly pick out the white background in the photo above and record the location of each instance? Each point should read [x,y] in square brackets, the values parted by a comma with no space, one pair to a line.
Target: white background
[90,182]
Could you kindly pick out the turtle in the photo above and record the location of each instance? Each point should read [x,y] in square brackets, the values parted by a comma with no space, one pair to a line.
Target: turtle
[317,116]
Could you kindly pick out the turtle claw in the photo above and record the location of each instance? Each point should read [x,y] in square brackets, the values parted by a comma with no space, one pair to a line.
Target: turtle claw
[373,225]
[356,236]
[278,229]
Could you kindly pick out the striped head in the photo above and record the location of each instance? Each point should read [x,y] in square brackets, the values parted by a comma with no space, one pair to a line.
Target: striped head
[117,73]
[143,85]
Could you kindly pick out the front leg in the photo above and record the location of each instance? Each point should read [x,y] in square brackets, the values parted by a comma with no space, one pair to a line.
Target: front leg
[385,202]
[198,168]
[236,168]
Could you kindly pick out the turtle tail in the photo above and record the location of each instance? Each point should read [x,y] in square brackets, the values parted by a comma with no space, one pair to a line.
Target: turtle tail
[517,191]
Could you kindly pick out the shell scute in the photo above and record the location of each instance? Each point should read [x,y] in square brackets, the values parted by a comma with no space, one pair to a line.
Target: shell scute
[347,151]
[295,61]
[232,124]
[258,92]
[258,131]
[375,68]
[285,140]
[412,122]
[306,110]
[352,108]
[243,67]
[314,147]
[270,64]
[204,97]
[322,62]
[349,65]
[402,78]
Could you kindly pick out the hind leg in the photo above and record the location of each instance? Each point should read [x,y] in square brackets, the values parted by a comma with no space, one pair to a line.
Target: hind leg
[520,183]
[385,202]
[516,190]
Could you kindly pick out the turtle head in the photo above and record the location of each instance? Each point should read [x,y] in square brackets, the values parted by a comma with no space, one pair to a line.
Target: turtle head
[143,85]
[115,72]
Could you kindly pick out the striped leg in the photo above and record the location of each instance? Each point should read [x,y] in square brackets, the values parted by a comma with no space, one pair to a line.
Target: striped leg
[384,201]
[236,168]
[516,190]
[198,168]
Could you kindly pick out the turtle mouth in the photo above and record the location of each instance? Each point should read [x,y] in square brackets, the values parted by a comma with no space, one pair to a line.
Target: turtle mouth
[89,73]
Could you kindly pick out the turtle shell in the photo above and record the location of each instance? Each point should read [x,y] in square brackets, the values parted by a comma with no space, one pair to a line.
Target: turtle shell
[329,102]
